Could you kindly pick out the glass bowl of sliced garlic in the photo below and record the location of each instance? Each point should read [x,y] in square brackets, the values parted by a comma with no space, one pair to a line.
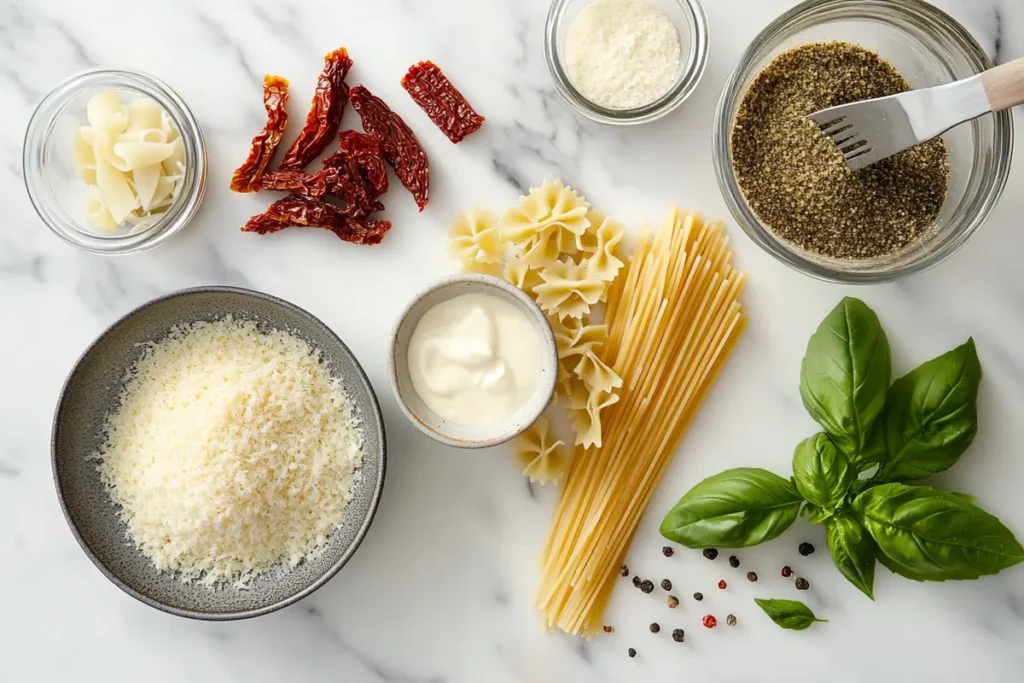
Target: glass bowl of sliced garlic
[114,161]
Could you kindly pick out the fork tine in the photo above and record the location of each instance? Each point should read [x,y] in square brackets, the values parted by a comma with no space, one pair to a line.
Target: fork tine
[825,126]
[853,145]
[845,132]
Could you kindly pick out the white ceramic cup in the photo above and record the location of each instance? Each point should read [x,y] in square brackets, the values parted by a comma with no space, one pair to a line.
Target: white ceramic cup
[426,420]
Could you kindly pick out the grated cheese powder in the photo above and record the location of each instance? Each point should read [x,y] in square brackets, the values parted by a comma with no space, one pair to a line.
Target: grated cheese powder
[622,54]
[233,450]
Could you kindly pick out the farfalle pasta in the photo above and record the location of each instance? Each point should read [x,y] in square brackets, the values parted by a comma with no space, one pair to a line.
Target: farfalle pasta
[566,256]
[475,242]
[551,219]
[569,289]
[541,459]
[602,242]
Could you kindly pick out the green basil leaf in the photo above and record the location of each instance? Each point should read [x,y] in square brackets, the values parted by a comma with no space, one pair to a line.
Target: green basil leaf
[791,614]
[738,508]
[845,374]
[822,473]
[875,452]
[814,514]
[931,535]
[932,415]
[853,551]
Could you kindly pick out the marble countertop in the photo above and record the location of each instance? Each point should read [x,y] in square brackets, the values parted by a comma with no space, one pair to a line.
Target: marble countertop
[441,589]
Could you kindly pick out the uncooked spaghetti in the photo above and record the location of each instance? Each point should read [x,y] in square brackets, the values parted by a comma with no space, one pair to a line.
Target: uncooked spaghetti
[673,319]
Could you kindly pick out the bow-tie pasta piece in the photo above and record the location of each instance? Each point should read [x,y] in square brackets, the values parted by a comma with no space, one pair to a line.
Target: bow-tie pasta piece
[568,290]
[542,460]
[519,273]
[585,414]
[602,241]
[549,220]
[595,373]
[475,242]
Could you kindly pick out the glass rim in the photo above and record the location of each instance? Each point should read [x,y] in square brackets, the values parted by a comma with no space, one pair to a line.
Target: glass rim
[690,73]
[916,11]
[40,128]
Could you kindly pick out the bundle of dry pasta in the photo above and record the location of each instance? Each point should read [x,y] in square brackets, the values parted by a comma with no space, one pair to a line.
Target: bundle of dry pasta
[673,319]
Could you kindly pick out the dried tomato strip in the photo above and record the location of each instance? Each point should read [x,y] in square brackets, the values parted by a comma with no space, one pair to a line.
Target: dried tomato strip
[298,211]
[442,102]
[300,182]
[346,181]
[246,177]
[325,112]
[398,143]
[365,150]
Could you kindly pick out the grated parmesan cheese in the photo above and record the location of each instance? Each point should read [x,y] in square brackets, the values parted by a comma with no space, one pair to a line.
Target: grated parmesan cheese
[233,451]
[622,54]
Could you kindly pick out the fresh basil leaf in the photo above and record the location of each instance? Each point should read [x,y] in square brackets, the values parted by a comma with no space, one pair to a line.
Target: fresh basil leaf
[853,551]
[791,614]
[845,374]
[932,415]
[931,535]
[875,452]
[738,508]
[814,514]
[822,473]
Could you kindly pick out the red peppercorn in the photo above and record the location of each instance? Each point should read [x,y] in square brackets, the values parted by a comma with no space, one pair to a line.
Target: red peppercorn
[722,584]
[709,621]
[787,571]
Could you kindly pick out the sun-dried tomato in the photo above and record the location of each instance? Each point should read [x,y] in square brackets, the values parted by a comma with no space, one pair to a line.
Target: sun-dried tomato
[246,177]
[442,102]
[300,182]
[365,151]
[346,181]
[298,211]
[324,113]
[400,146]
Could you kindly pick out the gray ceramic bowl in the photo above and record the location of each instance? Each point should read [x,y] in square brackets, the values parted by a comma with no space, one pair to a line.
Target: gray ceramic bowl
[92,390]
[426,420]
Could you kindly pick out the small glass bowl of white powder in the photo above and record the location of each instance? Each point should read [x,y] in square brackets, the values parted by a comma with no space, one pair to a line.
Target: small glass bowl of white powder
[625,61]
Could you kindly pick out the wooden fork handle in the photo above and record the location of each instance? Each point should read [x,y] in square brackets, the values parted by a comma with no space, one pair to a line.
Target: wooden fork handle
[1004,85]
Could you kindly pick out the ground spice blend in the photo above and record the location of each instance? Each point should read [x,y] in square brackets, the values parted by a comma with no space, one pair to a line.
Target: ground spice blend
[793,176]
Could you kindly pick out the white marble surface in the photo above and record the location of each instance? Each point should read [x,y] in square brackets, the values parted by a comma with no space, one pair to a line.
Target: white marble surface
[441,589]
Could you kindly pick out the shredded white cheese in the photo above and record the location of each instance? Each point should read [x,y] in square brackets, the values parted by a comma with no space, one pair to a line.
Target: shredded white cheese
[622,54]
[233,451]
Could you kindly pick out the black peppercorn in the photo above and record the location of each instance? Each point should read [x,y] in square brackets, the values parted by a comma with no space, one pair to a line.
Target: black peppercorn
[751,576]
[698,596]
[623,571]
[667,551]
[678,635]
[802,585]
[655,628]
[631,652]
[673,602]
[731,620]
[734,561]
[787,571]
[666,585]
[636,581]
[647,585]
[806,549]
[710,553]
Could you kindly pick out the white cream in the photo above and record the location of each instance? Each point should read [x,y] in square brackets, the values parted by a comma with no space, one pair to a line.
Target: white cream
[475,359]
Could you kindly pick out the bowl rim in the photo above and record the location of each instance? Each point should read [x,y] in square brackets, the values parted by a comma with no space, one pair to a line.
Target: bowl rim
[691,71]
[490,282]
[762,236]
[180,213]
[284,602]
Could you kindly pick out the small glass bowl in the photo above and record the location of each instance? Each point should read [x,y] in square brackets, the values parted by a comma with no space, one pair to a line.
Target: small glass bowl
[57,192]
[928,47]
[692,28]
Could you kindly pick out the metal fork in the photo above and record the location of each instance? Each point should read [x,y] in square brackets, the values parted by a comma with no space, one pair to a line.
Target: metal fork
[872,130]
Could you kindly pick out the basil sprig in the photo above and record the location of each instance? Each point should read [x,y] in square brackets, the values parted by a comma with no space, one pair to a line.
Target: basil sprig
[919,426]
[791,614]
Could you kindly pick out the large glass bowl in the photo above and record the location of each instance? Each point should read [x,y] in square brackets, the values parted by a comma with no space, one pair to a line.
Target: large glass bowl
[928,47]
